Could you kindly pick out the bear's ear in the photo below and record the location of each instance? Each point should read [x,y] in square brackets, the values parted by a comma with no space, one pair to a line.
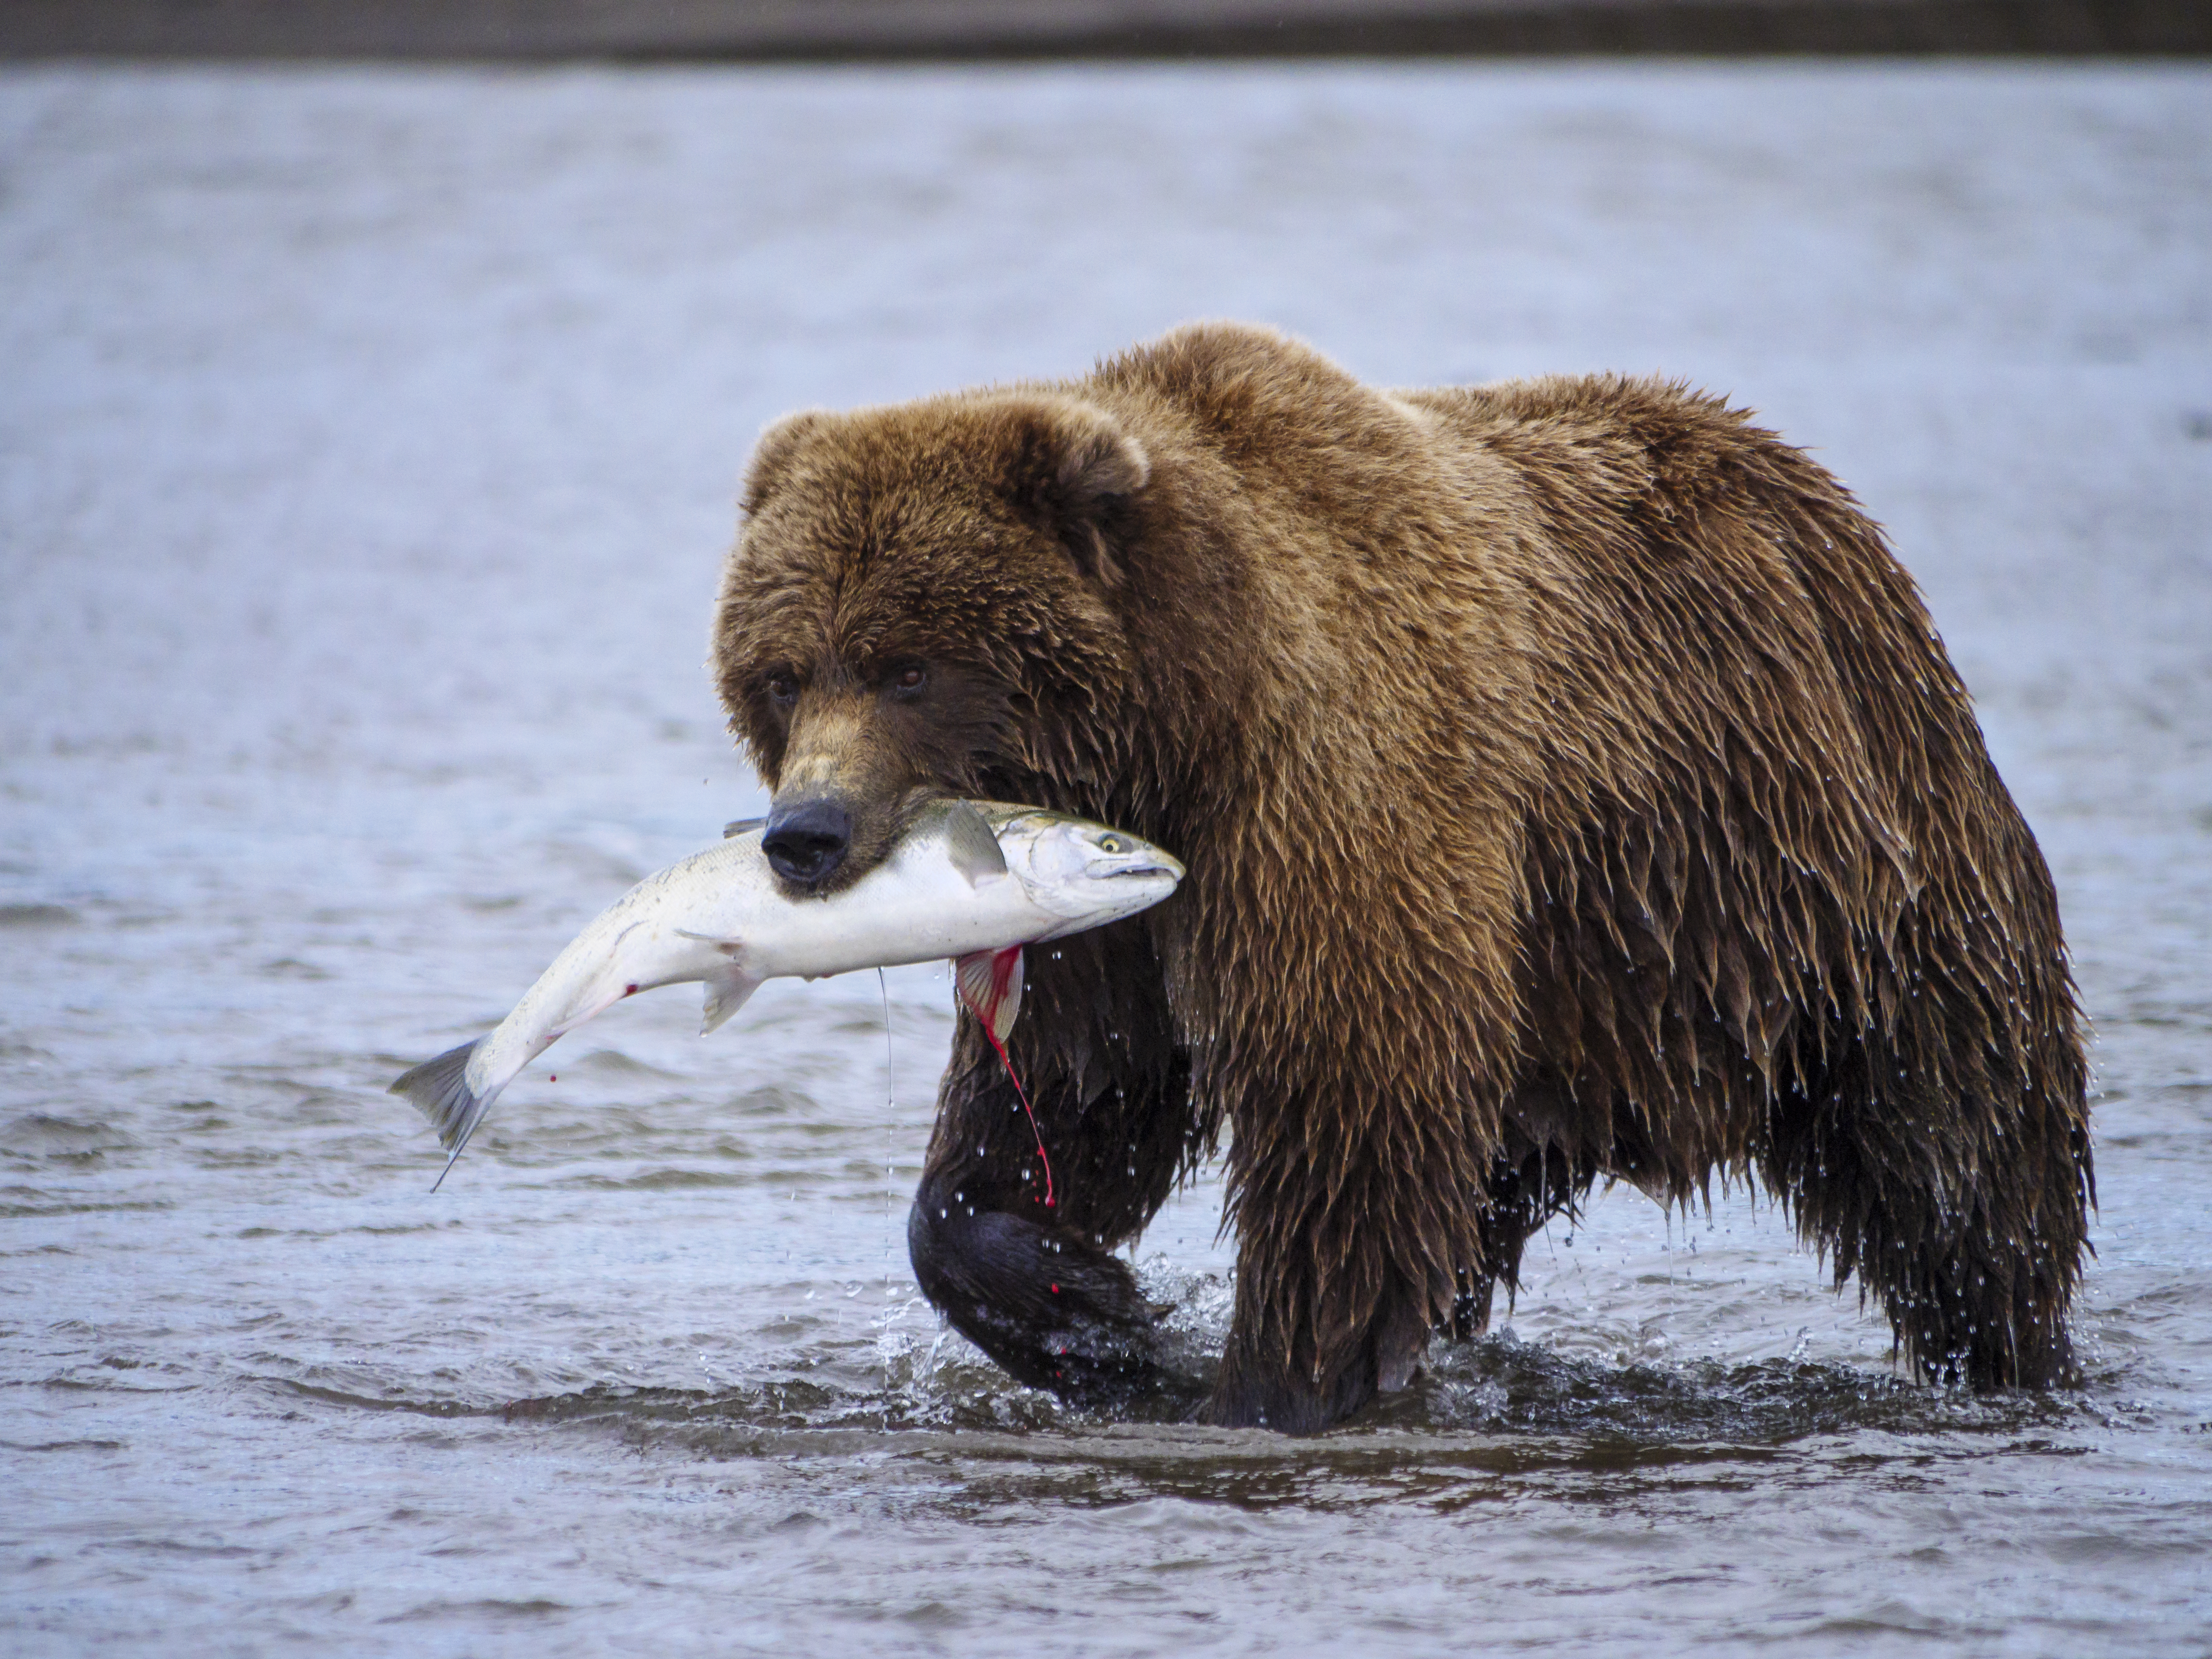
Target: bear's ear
[1076,468]
[772,455]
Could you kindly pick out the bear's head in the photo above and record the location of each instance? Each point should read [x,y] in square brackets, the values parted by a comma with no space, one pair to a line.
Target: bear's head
[922,601]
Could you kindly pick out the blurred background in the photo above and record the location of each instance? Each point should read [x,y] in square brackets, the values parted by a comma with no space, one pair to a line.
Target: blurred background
[830,30]
[375,384]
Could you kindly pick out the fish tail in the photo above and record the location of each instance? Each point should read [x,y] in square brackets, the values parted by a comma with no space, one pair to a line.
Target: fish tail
[439,1090]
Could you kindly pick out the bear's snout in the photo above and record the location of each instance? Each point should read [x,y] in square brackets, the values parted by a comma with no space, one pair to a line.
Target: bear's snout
[807,839]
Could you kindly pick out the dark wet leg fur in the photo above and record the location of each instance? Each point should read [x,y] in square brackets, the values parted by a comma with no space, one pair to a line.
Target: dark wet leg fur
[1254,1391]
[1966,1221]
[1035,1288]
[1524,1194]
[1055,1312]
[1336,1297]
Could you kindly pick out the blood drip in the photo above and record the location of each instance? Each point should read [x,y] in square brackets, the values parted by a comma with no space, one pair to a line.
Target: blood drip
[1022,1095]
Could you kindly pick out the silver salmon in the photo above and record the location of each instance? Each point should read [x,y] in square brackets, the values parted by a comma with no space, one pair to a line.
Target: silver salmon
[973,881]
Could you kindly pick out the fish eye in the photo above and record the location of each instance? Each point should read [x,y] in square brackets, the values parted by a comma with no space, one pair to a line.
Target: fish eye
[1112,844]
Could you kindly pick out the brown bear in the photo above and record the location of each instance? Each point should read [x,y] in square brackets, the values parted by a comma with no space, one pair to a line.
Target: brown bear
[1572,787]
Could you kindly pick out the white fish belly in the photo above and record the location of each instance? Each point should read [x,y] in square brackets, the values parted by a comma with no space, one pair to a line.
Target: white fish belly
[915,915]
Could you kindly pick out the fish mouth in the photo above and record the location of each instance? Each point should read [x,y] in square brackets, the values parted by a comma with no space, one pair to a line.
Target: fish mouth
[1174,871]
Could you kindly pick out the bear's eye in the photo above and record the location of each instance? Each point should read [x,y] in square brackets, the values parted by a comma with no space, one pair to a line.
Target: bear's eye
[782,687]
[907,681]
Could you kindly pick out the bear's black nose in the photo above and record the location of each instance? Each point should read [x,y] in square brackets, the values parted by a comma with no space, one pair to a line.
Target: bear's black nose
[807,841]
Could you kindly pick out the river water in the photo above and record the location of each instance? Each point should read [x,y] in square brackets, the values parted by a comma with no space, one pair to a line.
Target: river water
[368,445]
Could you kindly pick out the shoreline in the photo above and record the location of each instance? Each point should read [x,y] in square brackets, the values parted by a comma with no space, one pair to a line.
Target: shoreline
[905,31]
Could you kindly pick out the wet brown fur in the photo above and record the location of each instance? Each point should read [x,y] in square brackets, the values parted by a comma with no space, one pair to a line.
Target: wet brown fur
[1572,786]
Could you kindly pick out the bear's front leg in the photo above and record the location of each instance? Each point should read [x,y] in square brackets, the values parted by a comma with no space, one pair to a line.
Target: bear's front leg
[1351,1254]
[1055,1310]
[1272,1379]
[1031,1282]
[1308,1346]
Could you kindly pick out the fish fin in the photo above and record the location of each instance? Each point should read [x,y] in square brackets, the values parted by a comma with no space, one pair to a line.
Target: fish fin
[727,946]
[990,983]
[741,826]
[976,852]
[725,994]
[439,1090]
